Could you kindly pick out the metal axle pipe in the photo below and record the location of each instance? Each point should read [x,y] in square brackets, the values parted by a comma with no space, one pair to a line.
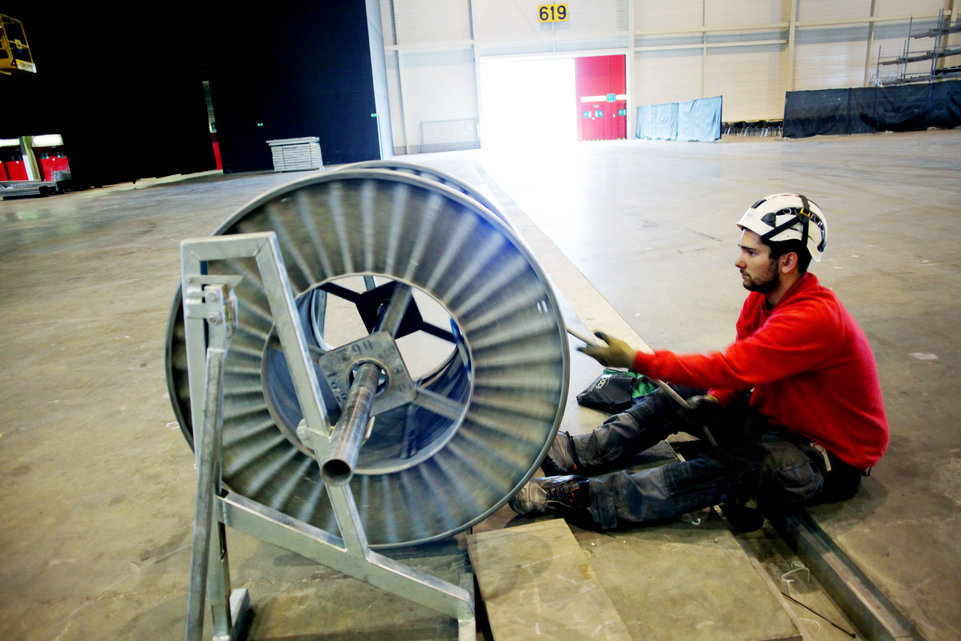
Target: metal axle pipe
[348,433]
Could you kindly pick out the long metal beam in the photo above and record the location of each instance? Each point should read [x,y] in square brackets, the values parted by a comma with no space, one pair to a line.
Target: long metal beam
[857,596]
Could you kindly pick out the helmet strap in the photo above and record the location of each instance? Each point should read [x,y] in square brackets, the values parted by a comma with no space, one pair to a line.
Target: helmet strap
[784,226]
[803,216]
[806,213]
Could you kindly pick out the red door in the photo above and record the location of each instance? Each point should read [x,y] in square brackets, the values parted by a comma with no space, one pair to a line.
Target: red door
[600,85]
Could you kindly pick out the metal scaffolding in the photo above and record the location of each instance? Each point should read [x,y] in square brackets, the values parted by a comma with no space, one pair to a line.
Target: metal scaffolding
[938,54]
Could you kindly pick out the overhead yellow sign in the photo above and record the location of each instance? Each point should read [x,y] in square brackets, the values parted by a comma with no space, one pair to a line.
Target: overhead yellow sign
[552,13]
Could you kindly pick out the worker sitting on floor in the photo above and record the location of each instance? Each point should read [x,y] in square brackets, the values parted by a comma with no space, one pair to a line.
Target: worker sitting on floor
[793,407]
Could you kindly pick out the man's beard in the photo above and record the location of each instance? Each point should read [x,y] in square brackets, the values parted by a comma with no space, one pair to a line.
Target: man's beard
[767,284]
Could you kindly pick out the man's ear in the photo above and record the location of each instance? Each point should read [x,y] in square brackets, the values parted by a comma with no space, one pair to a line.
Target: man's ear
[787,262]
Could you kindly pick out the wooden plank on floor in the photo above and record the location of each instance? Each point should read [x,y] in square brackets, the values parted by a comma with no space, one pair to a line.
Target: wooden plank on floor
[678,580]
[681,582]
[537,583]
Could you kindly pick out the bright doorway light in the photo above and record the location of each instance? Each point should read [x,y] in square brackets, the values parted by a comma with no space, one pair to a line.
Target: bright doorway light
[527,103]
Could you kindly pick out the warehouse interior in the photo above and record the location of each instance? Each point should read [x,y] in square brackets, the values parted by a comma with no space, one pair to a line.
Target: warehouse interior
[167,139]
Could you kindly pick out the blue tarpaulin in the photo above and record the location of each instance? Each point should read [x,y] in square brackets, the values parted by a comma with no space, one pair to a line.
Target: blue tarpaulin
[657,122]
[698,120]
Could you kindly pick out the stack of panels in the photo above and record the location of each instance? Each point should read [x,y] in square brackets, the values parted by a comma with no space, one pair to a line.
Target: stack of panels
[296,154]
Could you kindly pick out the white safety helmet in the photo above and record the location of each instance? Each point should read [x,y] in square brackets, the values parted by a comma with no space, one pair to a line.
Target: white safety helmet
[781,217]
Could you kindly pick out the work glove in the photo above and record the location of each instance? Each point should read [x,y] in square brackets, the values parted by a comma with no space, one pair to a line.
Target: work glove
[701,410]
[701,415]
[616,353]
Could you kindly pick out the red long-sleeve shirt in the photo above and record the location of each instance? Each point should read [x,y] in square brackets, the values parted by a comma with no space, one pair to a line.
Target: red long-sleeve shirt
[809,363]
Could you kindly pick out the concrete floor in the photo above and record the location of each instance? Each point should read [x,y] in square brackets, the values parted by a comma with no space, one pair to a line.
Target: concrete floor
[96,482]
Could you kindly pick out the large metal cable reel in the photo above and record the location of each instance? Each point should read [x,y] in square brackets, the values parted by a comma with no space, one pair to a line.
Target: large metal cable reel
[466,415]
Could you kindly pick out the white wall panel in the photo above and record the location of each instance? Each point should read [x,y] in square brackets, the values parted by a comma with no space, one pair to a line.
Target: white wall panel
[916,8]
[395,98]
[436,88]
[387,22]
[593,45]
[657,15]
[830,58]
[752,38]
[498,21]
[667,76]
[601,17]
[819,11]
[750,79]
[724,13]
[507,20]
[426,21]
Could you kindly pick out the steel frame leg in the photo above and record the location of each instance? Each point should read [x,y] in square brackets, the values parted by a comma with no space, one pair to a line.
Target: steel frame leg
[209,573]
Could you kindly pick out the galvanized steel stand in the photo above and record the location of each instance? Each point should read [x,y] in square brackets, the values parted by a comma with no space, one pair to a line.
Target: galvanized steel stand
[210,315]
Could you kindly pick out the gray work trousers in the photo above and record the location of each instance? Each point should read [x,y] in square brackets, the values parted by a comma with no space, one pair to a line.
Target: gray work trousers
[752,459]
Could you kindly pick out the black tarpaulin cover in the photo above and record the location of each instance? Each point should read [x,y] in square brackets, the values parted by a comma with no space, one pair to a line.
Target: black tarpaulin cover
[872,109]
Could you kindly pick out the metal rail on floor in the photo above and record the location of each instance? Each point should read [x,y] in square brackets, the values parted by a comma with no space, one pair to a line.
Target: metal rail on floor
[865,605]
[857,596]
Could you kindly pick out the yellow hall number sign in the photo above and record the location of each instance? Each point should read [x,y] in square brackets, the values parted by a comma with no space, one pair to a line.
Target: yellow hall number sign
[552,13]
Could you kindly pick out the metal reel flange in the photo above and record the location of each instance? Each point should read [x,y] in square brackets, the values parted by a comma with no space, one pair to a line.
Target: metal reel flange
[473,382]
[436,175]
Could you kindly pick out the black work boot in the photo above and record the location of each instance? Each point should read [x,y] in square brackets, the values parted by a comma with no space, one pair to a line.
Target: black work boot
[741,518]
[561,458]
[553,494]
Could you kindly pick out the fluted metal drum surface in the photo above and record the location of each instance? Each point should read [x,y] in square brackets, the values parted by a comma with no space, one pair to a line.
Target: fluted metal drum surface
[483,342]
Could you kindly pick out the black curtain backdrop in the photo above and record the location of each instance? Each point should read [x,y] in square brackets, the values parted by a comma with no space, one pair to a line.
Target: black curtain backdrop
[303,72]
[872,109]
[125,89]
[126,101]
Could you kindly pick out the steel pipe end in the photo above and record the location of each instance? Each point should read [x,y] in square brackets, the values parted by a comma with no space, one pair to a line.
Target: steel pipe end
[336,472]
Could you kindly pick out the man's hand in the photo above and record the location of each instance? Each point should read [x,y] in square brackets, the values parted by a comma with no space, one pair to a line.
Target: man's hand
[701,409]
[701,414]
[616,353]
